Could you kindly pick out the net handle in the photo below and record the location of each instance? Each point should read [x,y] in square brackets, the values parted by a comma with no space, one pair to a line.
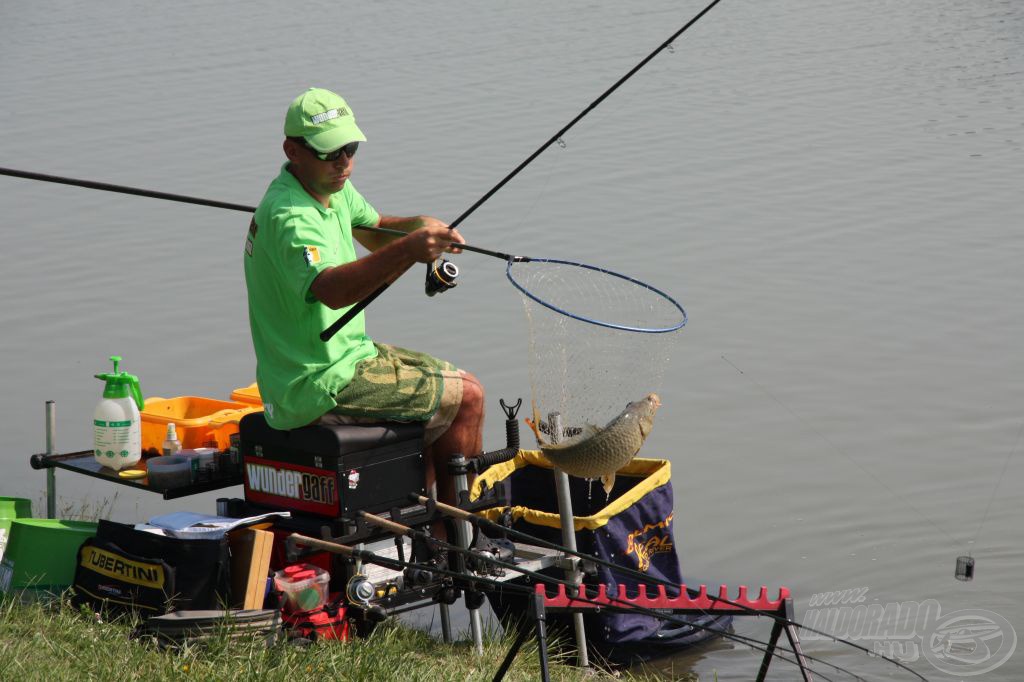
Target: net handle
[601,323]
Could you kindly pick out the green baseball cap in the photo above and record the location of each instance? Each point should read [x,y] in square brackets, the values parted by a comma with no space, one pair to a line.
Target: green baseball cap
[324,119]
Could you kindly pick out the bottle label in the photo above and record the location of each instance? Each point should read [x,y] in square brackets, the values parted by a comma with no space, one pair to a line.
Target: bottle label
[116,442]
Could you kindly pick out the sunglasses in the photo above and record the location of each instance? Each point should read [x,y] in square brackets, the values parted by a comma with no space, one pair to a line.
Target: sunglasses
[348,150]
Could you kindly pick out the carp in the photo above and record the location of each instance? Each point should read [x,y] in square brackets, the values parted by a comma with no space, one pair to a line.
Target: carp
[600,452]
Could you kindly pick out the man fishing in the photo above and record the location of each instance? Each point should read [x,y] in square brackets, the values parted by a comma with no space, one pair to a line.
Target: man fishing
[301,266]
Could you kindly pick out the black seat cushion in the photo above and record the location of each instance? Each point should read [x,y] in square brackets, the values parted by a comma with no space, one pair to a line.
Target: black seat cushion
[322,438]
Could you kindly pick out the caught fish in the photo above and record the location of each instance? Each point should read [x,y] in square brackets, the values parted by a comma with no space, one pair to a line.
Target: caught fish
[600,452]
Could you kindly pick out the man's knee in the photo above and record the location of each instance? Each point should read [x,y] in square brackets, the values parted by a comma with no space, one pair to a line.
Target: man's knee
[472,394]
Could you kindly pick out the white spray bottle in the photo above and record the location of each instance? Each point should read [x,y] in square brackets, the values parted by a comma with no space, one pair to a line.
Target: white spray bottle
[117,441]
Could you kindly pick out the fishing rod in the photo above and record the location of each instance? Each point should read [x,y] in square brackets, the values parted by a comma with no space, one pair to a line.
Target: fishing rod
[198,201]
[358,307]
[509,259]
[330,331]
[482,522]
[615,603]
[123,189]
[368,556]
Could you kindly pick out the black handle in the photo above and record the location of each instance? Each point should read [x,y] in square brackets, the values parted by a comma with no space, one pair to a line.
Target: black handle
[326,334]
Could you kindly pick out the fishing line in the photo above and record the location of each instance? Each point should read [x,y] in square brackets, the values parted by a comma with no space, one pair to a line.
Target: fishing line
[198,201]
[475,520]
[621,605]
[397,564]
[556,138]
[1006,463]
[545,186]
[672,316]
[839,450]
[180,198]
[877,480]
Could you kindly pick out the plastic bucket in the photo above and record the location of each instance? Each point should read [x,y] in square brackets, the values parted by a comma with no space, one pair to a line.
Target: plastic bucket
[41,553]
[199,422]
[250,395]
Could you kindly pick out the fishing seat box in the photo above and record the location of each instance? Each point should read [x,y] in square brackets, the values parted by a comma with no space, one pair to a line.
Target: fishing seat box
[331,471]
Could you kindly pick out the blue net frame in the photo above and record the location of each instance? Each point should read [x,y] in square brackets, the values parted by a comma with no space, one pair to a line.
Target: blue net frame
[591,320]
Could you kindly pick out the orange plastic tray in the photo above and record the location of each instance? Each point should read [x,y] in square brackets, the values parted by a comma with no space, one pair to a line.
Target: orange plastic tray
[199,422]
[250,395]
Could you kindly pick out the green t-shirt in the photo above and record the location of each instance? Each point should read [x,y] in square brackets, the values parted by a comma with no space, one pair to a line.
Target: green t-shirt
[291,240]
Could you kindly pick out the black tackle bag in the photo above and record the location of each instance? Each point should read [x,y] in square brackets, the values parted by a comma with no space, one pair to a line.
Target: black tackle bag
[122,569]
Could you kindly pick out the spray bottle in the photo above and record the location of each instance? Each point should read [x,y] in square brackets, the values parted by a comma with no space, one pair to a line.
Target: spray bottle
[117,441]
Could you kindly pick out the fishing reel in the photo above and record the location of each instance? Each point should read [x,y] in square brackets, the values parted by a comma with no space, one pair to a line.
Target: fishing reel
[441,276]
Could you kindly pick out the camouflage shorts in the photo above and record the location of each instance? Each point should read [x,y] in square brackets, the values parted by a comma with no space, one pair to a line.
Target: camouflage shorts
[400,385]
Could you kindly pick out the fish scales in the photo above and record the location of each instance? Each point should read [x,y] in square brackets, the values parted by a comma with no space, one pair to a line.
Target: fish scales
[600,452]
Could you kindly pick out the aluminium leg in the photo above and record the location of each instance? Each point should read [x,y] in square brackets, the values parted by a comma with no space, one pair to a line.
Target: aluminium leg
[51,449]
[794,641]
[462,539]
[565,514]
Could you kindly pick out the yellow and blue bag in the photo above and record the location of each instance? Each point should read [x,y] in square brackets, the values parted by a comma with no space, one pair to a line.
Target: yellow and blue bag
[631,527]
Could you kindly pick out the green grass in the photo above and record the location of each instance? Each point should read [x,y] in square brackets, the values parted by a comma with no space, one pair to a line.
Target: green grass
[55,641]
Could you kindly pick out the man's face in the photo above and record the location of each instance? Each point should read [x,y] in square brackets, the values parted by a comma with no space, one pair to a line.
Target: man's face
[320,178]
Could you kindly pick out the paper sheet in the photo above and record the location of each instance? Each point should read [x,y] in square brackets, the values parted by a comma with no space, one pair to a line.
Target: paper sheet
[193,525]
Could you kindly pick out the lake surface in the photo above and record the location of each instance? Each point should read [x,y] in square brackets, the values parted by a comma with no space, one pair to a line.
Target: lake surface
[831,189]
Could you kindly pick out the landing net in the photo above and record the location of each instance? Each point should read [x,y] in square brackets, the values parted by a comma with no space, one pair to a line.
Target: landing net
[598,339]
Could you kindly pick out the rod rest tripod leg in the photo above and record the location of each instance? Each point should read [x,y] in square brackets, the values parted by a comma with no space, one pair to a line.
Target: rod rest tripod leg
[540,617]
[794,640]
[769,653]
[446,623]
[511,655]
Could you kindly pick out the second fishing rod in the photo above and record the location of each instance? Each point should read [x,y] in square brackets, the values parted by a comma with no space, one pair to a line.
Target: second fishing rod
[473,582]
[481,522]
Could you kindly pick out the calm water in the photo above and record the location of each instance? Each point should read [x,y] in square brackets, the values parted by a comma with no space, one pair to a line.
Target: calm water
[830,188]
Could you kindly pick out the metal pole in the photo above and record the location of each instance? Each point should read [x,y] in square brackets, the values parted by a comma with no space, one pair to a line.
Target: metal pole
[565,513]
[51,449]
[463,534]
[446,624]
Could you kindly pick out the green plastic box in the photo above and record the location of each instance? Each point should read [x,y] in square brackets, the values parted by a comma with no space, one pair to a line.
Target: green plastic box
[11,508]
[41,554]
[15,508]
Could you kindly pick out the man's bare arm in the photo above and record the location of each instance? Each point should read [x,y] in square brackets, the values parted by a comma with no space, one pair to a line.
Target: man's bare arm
[343,285]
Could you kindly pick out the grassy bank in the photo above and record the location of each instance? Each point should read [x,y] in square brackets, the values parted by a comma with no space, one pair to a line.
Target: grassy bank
[57,642]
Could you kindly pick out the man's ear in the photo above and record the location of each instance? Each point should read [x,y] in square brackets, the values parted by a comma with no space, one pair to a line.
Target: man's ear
[291,149]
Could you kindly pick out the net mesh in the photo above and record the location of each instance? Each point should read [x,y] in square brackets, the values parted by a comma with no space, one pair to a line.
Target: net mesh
[587,355]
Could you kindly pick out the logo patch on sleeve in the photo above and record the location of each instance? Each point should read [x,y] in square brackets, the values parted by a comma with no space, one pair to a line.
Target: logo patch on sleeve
[251,236]
[311,254]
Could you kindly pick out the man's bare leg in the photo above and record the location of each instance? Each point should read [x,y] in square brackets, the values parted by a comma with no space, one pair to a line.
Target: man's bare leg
[465,435]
